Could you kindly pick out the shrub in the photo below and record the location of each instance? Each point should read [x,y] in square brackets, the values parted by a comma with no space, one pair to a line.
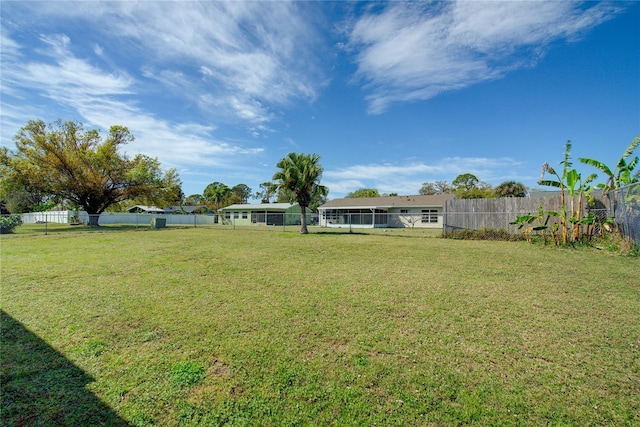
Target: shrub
[617,243]
[8,223]
[485,234]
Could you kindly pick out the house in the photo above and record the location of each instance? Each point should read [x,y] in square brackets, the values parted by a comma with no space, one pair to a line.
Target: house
[386,211]
[166,211]
[146,209]
[263,214]
[191,210]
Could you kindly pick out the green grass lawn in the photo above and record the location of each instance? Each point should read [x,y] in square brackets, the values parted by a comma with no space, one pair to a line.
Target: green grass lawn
[205,326]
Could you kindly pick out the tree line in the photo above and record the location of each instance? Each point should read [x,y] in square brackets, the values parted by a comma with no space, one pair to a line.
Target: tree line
[468,186]
[62,164]
[464,186]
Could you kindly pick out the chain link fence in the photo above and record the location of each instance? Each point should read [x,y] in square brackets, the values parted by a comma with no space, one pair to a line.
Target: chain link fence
[347,222]
[624,203]
[57,221]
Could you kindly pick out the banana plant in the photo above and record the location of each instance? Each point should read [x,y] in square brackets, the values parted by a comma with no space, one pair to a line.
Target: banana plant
[570,181]
[622,173]
[528,221]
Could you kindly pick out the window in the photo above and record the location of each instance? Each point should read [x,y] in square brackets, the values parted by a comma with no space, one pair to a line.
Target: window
[404,211]
[236,215]
[244,215]
[429,215]
[227,215]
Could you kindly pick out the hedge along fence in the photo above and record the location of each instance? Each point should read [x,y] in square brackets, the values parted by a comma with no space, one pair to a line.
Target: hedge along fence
[500,213]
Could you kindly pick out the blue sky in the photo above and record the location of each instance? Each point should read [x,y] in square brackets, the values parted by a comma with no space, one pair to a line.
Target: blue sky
[390,95]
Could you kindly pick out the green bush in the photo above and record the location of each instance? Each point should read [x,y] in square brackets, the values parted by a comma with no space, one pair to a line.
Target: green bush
[8,223]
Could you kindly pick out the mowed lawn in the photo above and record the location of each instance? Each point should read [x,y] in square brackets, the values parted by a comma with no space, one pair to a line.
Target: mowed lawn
[245,327]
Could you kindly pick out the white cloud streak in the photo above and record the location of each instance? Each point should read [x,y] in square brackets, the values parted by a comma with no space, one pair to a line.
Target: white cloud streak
[413,51]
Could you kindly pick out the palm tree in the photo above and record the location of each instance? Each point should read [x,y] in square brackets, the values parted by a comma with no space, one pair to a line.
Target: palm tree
[269,189]
[216,192]
[301,174]
[511,189]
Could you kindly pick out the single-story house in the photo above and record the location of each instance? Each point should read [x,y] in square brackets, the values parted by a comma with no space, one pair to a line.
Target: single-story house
[165,211]
[263,214]
[146,209]
[191,210]
[384,212]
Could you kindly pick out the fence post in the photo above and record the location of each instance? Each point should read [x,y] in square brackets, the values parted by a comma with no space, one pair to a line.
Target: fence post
[46,224]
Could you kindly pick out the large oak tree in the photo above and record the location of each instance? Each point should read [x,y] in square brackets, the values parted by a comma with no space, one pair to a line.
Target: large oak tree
[78,166]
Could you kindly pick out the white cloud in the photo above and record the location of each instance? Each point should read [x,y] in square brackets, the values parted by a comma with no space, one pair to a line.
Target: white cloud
[251,56]
[414,51]
[103,99]
[206,71]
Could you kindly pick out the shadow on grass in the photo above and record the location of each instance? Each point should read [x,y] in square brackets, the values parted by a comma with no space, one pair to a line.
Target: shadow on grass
[41,387]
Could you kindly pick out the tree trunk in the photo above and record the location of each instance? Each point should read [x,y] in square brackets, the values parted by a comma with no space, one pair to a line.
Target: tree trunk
[303,220]
[93,220]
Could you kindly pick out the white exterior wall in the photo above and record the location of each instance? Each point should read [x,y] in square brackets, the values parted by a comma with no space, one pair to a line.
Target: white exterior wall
[413,218]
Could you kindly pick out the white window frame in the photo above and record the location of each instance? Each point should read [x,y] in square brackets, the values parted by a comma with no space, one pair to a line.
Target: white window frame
[429,216]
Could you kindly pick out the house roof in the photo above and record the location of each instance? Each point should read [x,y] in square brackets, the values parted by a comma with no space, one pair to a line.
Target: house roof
[188,209]
[387,202]
[154,209]
[259,207]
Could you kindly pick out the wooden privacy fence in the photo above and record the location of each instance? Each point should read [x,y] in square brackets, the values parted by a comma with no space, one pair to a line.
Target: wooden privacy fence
[479,214]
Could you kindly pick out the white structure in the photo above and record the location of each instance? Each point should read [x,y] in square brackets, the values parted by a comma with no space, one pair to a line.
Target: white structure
[384,212]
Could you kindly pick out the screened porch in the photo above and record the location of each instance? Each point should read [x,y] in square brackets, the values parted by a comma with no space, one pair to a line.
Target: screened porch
[364,218]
